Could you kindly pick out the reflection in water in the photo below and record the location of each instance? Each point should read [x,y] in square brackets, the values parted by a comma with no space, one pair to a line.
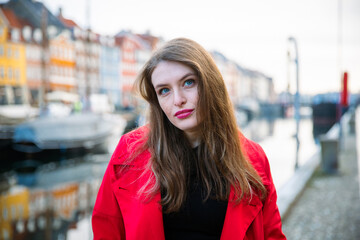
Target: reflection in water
[277,138]
[59,202]
[259,129]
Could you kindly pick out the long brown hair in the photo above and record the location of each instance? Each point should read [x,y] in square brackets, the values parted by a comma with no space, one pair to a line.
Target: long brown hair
[220,162]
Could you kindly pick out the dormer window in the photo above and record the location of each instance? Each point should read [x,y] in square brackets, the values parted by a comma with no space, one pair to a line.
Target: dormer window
[15,35]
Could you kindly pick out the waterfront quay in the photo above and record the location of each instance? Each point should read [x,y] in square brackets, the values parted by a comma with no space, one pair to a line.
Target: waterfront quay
[60,199]
[59,202]
[329,205]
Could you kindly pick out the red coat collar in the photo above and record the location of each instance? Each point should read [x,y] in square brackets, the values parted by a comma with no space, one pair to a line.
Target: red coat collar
[147,215]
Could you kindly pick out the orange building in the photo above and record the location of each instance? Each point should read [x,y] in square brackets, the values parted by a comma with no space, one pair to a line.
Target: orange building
[62,63]
[65,200]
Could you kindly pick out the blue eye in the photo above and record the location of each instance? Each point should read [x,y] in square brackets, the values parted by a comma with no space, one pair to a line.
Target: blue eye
[189,82]
[163,91]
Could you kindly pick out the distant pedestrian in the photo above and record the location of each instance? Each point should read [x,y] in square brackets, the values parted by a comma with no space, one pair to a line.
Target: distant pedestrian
[189,173]
[77,107]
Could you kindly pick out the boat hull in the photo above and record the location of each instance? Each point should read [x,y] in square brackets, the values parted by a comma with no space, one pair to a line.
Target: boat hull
[79,132]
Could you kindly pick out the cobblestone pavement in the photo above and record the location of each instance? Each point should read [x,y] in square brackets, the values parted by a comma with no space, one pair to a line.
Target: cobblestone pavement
[329,207]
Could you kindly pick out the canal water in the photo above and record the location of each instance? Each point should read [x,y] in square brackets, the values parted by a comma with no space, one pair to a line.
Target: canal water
[277,138]
[72,185]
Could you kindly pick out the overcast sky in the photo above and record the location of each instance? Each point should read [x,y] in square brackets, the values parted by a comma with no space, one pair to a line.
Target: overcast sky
[253,33]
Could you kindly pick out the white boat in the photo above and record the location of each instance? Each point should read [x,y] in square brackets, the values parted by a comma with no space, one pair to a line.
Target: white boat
[14,114]
[65,133]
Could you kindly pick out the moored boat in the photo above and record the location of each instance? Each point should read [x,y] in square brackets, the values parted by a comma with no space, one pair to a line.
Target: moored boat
[17,113]
[86,131]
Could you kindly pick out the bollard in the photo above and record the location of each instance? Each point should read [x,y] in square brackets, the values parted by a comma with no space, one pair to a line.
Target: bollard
[352,124]
[329,154]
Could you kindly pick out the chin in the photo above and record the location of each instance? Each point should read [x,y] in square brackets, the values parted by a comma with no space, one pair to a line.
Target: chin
[189,128]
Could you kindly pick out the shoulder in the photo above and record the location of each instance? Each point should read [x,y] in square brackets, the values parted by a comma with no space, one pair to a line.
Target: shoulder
[138,135]
[257,157]
[129,144]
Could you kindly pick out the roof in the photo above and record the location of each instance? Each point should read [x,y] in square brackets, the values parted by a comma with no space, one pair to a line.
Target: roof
[219,55]
[141,43]
[32,12]
[13,20]
[152,40]
[67,22]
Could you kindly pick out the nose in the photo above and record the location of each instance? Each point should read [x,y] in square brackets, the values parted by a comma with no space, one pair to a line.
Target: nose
[179,98]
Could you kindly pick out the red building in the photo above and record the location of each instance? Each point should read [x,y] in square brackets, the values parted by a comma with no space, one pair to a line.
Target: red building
[135,50]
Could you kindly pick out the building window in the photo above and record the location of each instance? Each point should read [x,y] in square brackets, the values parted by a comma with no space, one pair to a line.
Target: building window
[9,73]
[3,101]
[5,234]
[21,211]
[17,75]
[2,72]
[16,53]
[9,52]
[13,212]
[15,35]
[18,98]
[5,214]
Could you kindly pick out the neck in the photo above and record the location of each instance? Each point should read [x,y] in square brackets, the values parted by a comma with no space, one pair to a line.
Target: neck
[193,139]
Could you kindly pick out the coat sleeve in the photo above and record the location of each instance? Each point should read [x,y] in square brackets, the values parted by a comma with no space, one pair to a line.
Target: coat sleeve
[271,220]
[107,218]
[107,221]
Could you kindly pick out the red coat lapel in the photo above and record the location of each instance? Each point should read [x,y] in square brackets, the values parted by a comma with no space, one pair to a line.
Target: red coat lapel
[147,216]
[141,220]
[142,217]
[239,217]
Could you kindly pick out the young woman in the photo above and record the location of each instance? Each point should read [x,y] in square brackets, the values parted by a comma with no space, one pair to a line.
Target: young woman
[189,173]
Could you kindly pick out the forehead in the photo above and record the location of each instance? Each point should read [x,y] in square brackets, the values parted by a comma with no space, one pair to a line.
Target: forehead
[168,71]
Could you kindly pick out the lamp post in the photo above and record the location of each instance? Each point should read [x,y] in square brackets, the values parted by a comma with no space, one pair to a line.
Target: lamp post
[296,100]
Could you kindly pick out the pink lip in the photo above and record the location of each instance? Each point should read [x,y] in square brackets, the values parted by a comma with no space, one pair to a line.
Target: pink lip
[184,113]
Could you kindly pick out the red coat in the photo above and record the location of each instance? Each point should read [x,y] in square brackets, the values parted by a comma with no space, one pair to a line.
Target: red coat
[120,214]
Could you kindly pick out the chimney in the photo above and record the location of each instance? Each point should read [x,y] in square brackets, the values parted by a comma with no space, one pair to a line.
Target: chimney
[60,12]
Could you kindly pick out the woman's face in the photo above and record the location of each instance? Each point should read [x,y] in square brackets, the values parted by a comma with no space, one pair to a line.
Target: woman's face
[176,87]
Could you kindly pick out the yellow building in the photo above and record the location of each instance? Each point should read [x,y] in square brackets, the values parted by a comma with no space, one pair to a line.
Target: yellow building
[14,208]
[12,60]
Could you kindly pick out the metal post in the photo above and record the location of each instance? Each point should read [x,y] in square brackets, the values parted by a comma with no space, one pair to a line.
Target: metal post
[44,60]
[88,60]
[329,154]
[296,101]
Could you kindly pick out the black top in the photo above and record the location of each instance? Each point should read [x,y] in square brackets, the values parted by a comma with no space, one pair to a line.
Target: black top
[196,219]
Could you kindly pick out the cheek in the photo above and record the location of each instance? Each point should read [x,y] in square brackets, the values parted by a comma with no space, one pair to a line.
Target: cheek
[165,107]
[195,96]
[196,99]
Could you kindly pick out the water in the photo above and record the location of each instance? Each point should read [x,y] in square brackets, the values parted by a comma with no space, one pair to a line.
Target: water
[70,187]
[277,138]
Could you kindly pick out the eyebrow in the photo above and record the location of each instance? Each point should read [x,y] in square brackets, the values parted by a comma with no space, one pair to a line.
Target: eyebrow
[182,78]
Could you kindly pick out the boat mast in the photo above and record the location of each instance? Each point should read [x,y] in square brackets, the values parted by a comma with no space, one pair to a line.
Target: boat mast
[44,59]
[88,51]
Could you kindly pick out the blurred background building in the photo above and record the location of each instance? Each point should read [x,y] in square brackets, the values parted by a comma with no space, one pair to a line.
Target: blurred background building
[66,97]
